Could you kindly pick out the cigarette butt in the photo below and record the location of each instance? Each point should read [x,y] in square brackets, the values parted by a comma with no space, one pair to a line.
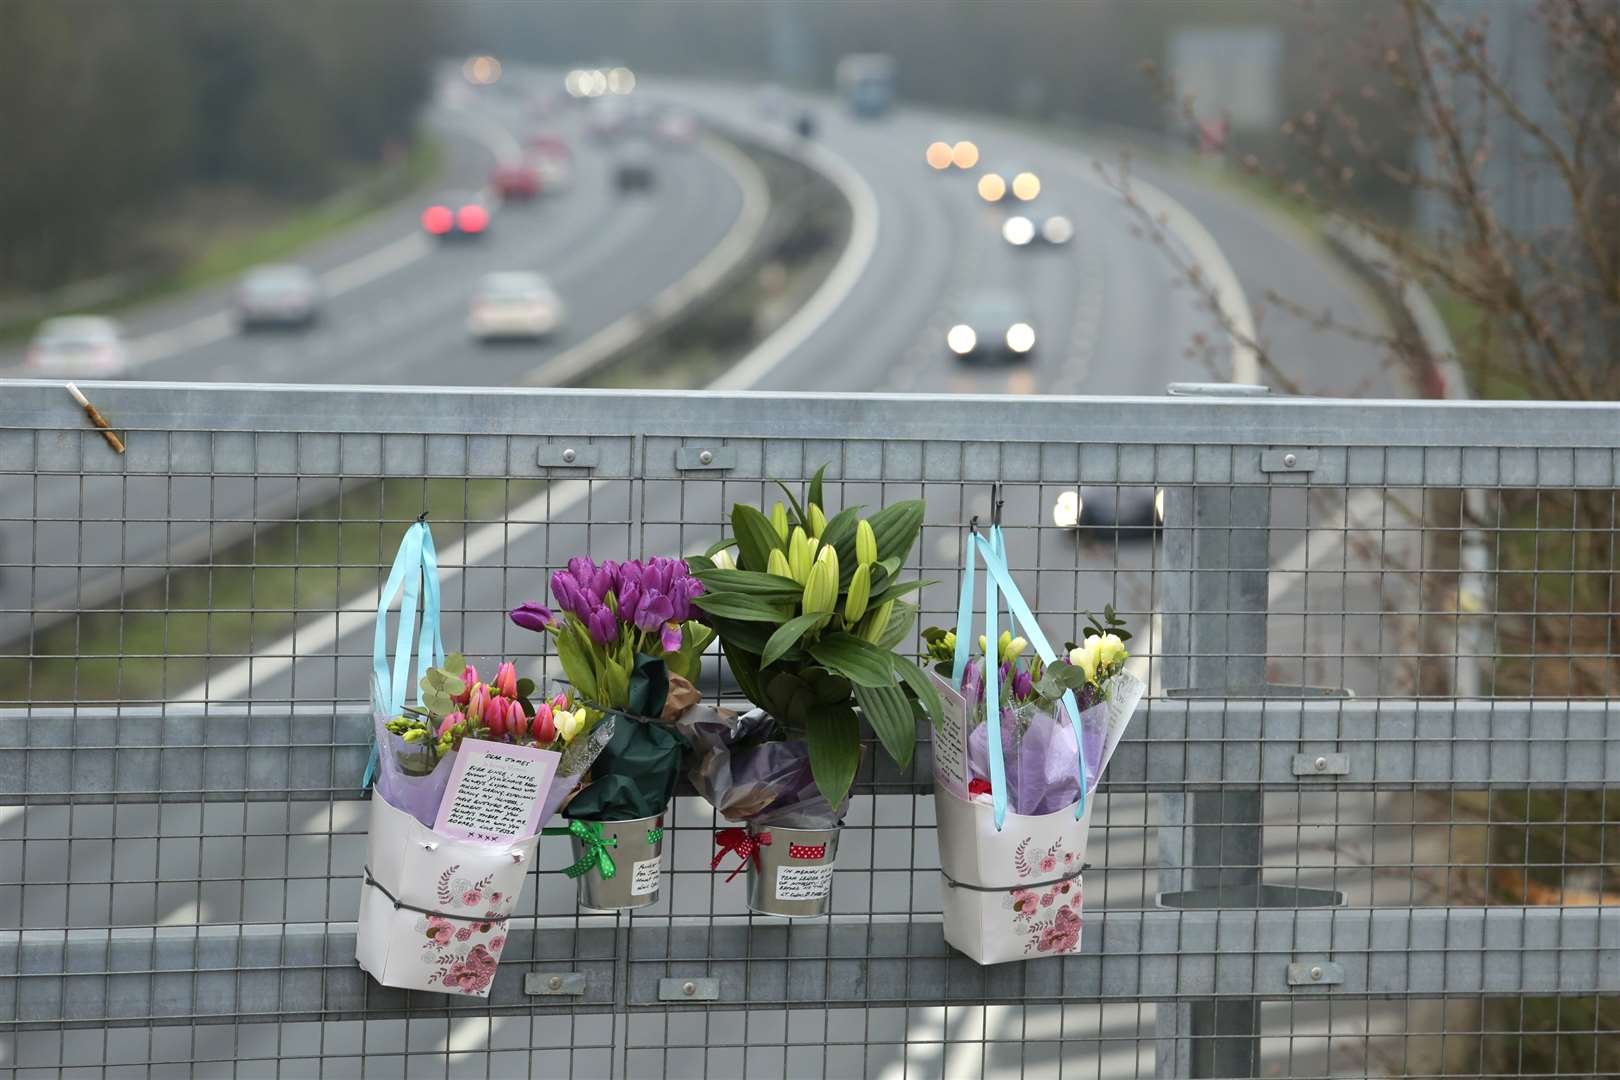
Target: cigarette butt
[97,419]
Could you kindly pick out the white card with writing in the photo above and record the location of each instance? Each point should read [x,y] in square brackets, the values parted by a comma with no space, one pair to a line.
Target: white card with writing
[645,876]
[496,791]
[803,882]
[951,739]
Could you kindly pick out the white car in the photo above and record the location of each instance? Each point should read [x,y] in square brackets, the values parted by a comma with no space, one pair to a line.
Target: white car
[555,172]
[78,345]
[278,295]
[514,304]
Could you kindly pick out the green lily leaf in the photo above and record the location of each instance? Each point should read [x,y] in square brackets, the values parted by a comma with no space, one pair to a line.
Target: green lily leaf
[815,488]
[745,668]
[856,660]
[576,664]
[752,582]
[788,634]
[735,605]
[921,685]
[794,508]
[756,536]
[893,592]
[720,545]
[889,712]
[834,736]
[896,528]
[901,620]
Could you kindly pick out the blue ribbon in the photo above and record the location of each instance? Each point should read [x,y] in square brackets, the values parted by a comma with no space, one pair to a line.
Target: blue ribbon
[415,576]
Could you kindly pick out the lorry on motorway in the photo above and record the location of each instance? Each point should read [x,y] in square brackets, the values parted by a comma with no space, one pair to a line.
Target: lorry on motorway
[866,83]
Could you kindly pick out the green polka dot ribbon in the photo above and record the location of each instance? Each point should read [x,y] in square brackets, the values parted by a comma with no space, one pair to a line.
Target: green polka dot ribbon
[589,834]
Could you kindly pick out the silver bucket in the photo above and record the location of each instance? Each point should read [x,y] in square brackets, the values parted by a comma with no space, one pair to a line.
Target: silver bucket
[792,875]
[637,849]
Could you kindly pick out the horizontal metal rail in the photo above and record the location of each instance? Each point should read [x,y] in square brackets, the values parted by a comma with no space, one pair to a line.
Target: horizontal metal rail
[216,975]
[96,754]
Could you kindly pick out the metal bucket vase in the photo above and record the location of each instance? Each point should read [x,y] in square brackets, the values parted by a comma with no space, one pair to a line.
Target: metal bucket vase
[791,871]
[636,848]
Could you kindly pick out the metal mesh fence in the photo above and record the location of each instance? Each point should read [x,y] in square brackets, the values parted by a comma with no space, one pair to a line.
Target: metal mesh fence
[1364,824]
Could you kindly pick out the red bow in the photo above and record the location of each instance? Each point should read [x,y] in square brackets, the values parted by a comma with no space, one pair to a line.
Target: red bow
[744,843]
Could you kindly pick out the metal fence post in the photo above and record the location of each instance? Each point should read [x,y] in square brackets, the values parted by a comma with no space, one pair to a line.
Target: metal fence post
[1210,841]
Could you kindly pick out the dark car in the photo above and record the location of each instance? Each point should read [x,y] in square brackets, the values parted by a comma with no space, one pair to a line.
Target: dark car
[634,171]
[1106,511]
[993,325]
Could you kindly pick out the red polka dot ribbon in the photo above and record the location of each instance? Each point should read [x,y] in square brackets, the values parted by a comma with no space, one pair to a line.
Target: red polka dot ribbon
[807,851]
[744,843]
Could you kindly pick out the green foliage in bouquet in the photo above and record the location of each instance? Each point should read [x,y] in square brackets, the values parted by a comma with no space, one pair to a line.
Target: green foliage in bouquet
[810,613]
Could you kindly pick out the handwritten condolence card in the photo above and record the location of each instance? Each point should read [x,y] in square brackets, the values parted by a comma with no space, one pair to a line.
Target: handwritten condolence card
[496,790]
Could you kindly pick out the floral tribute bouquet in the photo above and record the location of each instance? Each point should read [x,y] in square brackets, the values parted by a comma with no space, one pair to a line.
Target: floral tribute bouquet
[419,745]
[809,612]
[1029,734]
[1038,741]
[630,643]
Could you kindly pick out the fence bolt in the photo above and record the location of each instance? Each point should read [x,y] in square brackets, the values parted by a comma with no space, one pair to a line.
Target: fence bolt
[1290,460]
[1316,974]
[707,458]
[569,455]
[688,988]
[555,982]
[1321,763]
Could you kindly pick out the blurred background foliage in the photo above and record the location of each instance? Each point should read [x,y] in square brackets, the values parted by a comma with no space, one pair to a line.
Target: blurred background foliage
[118,115]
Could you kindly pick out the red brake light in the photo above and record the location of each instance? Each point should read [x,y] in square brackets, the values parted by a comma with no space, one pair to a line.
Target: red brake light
[437,220]
[472,218]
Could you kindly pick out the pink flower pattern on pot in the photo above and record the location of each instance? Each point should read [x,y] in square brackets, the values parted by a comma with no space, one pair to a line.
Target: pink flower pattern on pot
[1048,916]
[464,941]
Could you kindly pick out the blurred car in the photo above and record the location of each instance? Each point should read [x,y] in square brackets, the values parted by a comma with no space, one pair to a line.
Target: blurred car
[556,174]
[677,127]
[456,216]
[1023,231]
[994,325]
[548,144]
[609,119]
[634,170]
[1129,513]
[517,181]
[78,345]
[1020,186]
[277,295]
[514,304]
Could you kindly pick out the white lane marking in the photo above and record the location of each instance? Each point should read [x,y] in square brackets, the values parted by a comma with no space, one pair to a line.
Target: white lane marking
[571,363]
[375,264]
[192,335]
[1292,570]
[863,231]
[1206,254]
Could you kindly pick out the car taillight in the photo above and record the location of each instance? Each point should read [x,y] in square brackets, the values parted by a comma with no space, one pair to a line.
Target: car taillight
[472,218]
[437,220]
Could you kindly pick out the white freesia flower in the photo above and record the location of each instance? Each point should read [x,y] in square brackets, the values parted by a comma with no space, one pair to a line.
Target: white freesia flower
[1085,658]
[1111,654]
[569,724]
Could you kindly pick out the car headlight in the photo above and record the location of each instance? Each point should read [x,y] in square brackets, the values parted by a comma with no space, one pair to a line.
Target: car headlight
[1158,506]
[1026,185]
[1020,337]
[1018,231]
[1066,511]
[992,187]
[961,339]
[1057,230]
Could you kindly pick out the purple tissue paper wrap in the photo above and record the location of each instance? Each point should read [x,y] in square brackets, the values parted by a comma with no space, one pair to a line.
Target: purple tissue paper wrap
[1040,755]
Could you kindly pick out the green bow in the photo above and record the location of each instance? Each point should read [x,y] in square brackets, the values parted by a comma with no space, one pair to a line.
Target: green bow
[596,847]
